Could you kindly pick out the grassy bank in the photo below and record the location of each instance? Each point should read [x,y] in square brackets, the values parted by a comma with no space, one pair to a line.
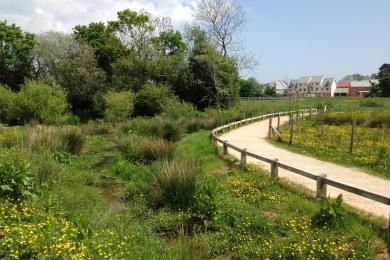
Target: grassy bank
[109,194]
[328,136]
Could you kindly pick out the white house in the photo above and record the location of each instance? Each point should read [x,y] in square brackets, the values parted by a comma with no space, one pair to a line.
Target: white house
[313,86]
[281,86]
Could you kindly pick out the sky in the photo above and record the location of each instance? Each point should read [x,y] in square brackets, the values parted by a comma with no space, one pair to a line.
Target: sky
[288,38]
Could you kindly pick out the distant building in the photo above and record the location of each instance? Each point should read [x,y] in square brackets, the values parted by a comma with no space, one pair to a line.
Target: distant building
[342,88]
[281,86]
[318,86]
[361,87]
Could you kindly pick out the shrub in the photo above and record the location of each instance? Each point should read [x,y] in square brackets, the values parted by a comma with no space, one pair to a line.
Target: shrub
[140,149]
[15,177]
[205,196]
[176,109]
[151,99]
[331,212]
[174,184]
[165,128]
[34,102]
[119,106]
[6,102]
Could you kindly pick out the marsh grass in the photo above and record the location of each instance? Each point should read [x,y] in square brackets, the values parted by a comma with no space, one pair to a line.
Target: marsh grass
[141,149]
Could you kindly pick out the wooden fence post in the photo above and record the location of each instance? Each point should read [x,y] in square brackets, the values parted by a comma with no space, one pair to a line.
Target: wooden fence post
[291,131]
[214,139]
[321,186]
[310,113]
[225,148]
[303,114]
[274,170]
[243,156]
[270,127]
[352,136]
[278,122]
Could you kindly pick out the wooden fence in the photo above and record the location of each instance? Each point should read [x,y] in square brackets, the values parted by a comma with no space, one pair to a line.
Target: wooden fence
[322,180]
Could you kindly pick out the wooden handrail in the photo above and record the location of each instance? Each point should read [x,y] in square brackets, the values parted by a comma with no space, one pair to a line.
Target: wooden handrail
[276,163]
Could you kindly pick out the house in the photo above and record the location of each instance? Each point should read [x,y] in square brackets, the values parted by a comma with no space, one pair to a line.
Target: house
[319,86]
[361,87]
[342,88]
[281,86]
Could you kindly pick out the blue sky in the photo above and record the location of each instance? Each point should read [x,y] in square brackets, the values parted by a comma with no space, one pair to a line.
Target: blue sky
[291,38]
[314,37]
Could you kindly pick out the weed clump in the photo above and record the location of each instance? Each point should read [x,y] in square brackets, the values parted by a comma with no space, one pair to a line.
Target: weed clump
[140,149]
[331,212]
[174,184]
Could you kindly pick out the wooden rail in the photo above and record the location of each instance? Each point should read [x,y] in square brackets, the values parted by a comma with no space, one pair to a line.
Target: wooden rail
[322,180]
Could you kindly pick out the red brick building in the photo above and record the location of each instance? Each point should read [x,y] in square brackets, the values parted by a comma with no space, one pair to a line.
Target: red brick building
[360,88]
[342,88]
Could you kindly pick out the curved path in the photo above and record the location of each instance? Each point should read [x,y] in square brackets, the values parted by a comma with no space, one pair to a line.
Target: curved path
[254,138]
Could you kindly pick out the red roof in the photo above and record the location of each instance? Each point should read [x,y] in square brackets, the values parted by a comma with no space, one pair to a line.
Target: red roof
[344,84]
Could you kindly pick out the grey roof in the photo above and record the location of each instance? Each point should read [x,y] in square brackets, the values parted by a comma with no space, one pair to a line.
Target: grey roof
[316,79]
[363,83]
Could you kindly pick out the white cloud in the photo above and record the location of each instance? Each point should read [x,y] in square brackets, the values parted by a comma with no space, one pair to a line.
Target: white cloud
[63,15]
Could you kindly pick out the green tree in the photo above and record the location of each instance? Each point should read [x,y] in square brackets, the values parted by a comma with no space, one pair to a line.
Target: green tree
[382,88]
[82,80]
[107,47]
[214,78]
[119,106]
[15,55]
[270,91]
[50,49]
[152,99]
[250,88]
[135,31]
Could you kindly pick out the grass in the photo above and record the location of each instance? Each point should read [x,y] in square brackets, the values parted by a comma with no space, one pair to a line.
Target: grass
[96,204]
[328,137]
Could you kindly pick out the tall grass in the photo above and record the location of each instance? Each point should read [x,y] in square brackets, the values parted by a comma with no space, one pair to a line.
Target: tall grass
[39,137]
[174,184]
[141,149]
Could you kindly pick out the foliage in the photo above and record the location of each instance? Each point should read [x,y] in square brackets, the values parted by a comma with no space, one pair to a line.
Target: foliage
[16,180]
[61,157]
[82,80]
[250,88]
[331,212]
[34,102]
[102,39]
[174,184]
[383,87]
[50,48]
[15,55]
[119,106]
[270,91]
[139,149]
[151,99]
[214,77]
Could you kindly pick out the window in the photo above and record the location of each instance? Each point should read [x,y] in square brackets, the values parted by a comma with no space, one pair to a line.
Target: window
[300,90]
[327,89]
[322,89]
[316,89]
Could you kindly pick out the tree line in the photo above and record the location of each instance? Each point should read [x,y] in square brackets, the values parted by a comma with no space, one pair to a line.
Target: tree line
[139,60]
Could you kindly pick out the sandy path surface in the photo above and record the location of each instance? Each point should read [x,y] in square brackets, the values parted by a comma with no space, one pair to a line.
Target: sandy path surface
[253,137]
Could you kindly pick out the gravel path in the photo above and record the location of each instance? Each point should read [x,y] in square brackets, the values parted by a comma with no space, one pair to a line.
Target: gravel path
[253,137]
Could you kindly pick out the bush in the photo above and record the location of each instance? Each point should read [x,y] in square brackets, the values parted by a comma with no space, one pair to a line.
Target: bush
[15,178]
[174,184]
[35,102]
[167,129]
[119,106]
[331,212]
[205,196]
[151,99]
[140,149]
